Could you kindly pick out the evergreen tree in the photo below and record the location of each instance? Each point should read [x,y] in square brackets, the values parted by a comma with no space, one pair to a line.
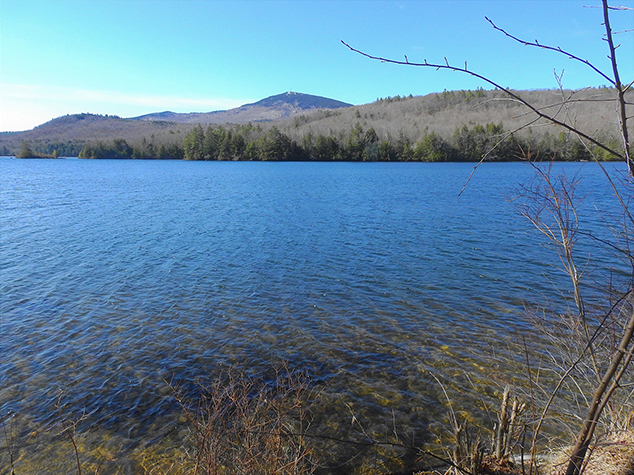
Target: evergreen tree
[432,148]
[193,144]
[25,150]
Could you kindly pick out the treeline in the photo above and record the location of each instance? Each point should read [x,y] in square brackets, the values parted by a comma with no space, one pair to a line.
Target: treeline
[120,148]
[45,149]
[251,142]
[364,144]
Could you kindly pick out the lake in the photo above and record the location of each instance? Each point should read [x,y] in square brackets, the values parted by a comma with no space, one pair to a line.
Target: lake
[372,278]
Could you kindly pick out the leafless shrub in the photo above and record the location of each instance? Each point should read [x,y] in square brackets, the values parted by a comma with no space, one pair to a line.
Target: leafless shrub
[9,438]
[244,425]
[470,454]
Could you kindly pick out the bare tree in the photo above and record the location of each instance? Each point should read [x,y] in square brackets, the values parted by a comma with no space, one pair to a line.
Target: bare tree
[559,204]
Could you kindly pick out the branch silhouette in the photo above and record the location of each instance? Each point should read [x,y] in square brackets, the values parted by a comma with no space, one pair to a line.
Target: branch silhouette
[509,92]
[553,48]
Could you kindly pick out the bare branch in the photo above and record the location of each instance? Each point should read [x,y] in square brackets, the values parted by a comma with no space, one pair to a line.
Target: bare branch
[490,151]
[618,7]
[498,86]
[600,399]
[552,48]
[620,89]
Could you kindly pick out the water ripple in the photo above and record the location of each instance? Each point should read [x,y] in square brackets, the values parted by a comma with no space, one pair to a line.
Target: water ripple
[119,275]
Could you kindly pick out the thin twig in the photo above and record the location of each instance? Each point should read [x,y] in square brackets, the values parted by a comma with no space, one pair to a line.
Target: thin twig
[498,86]
[552,48]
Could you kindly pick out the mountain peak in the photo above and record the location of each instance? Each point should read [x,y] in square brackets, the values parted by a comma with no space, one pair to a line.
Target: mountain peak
[271,108]
[299,100]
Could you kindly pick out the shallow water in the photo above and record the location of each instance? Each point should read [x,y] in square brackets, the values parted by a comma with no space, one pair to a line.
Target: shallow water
[117,276]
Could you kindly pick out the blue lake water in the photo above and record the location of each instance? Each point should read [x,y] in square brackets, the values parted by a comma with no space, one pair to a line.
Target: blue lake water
[119,275]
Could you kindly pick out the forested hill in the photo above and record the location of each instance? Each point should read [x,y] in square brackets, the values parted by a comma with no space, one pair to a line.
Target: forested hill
[452,125]
[68,134]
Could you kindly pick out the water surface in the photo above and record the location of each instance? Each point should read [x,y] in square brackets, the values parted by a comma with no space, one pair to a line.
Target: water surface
[119,275]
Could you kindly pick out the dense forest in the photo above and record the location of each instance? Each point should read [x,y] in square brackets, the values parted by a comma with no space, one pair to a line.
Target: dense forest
[360,144]
[447,126]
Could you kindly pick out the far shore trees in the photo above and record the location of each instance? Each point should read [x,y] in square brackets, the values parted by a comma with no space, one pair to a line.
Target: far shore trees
[468,143]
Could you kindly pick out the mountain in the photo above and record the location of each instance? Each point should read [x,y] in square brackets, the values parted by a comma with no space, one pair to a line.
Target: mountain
[303,118]
[269,109]
[296,101]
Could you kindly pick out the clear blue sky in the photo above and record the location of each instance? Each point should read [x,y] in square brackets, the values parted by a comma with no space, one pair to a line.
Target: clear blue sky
[131,57]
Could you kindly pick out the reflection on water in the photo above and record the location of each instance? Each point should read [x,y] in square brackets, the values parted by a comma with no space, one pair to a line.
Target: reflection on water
[118,276]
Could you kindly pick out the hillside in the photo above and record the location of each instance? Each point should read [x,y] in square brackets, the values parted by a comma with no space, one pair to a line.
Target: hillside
[68,134]
[590,109]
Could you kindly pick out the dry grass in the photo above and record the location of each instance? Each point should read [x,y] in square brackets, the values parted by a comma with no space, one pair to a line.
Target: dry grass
[613,455]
